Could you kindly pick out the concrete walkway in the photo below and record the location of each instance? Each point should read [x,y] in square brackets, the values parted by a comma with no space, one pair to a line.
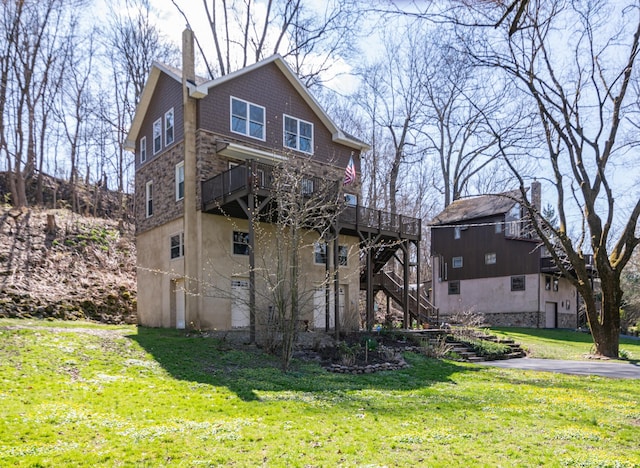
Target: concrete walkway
[616,370]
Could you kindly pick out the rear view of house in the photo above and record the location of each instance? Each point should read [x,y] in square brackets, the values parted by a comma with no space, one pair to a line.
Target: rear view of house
[210,155]
[487,260]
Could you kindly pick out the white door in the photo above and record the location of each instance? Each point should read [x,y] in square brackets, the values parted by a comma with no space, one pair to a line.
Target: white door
[178,291]
[319,311]
[550,309]
[239,303]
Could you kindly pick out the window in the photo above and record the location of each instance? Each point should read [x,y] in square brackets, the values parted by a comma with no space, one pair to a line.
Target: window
[298,134]
[454,287]
[555,284]
[168,128]
[157,136]
[456,262]
[517,283]
[247,118]
[320,253]
[490,258]
[351,199]
[240,243]
[457,232]
[547,283]
[143,149]
[307,186]
[149,198]
[499,227]
[177,246]
[180,181]
[343,255]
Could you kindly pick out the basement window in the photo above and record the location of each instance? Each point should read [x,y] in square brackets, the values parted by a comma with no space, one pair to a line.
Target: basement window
[177,246]
[454,288]
[518,283]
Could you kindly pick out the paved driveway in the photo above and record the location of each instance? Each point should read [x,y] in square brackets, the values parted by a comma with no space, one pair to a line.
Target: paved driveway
[617,370]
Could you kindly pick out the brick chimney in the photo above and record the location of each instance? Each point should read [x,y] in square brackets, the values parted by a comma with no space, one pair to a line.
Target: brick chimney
[536,195]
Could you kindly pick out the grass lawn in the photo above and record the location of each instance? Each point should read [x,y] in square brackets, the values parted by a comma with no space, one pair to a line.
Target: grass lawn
[126,396]
[548,343]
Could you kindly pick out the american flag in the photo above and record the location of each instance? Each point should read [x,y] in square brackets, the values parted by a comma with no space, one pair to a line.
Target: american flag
[350,172]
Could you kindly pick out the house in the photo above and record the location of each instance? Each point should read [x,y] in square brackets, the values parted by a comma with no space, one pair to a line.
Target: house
[487,260]
[208,153]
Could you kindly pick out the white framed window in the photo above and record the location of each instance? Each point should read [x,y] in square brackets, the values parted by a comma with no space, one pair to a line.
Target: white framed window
[157,136]
[457,231]
[343,255]
[298,134]
[149,199]
[180,181]
[247,118]
[169,127]
[320,253]
[143,149]
[240,243]
[456,262]
[177,246]
[490,258]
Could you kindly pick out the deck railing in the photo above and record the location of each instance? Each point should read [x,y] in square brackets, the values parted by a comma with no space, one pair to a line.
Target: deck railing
[260,177]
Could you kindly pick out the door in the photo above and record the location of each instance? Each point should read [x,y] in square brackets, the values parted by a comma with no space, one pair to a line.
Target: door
[551,313]
[178,291]
[319,310]
[239,303]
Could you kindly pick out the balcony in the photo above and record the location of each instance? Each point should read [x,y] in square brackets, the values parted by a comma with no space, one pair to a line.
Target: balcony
[223,192]
[548,265]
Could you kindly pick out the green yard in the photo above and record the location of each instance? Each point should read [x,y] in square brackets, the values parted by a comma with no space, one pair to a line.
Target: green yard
[122,396]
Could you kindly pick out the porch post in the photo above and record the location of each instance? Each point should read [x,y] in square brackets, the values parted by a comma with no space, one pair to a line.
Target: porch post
[405,293]
[336,283]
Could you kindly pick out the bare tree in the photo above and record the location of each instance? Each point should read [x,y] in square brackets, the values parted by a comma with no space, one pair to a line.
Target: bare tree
[35,38]
[303,212]
[131,43]
[466,110]
[579,86]
[310,37]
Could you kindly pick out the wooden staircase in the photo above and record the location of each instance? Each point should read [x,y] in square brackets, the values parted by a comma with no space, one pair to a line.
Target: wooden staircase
[423,311]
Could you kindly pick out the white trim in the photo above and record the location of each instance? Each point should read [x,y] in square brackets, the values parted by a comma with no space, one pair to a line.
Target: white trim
[298,122]
[202,90]
[173,127]
[148,197]
[143,149]
[247,131]
[242,153]
[159,122]
[179,166]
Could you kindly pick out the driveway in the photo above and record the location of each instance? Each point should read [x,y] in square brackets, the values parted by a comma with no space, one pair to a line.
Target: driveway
[615,370]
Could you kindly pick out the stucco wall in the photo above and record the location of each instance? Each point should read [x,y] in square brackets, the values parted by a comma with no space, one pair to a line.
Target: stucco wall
[493,298]
[219,267]
[156,271]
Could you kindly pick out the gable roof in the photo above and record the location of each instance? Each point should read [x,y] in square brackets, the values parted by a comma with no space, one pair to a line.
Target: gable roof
[465,209]
[201,88]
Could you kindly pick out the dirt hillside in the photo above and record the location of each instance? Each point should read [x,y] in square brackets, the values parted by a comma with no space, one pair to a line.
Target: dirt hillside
[54,263]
